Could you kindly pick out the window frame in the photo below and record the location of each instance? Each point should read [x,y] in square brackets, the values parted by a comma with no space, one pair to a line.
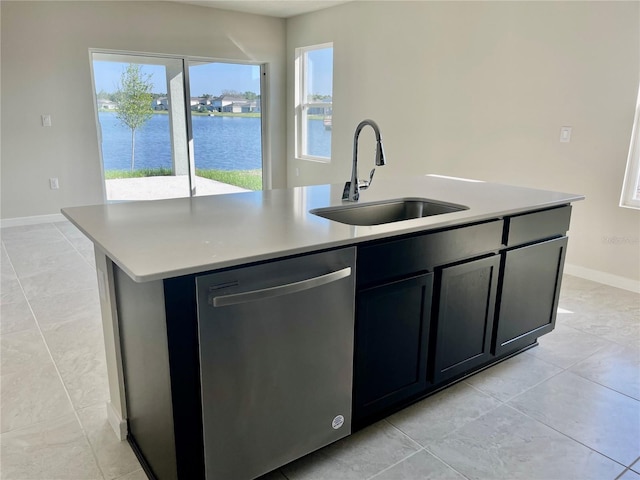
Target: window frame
[630,197]
[302,106]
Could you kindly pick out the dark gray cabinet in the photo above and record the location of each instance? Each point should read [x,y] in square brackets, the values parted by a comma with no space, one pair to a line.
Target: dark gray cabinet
[495,290]
[392,332]
[465,313]
[394,337]
[532,266]
[531,282]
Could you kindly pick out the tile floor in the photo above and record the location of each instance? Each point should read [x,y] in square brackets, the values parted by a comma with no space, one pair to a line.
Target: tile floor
[566,409]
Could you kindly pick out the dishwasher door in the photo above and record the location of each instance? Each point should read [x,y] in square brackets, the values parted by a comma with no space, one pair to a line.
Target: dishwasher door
[276,361]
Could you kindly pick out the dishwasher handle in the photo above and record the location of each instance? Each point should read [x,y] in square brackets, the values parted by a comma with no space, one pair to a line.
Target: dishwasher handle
[286,289]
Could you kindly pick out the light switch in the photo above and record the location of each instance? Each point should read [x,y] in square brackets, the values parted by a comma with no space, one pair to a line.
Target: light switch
[46,120]
[565,134]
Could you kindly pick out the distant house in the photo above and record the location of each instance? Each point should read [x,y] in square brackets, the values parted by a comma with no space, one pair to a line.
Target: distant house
[319,111]
[325,107]
[104,104]
[201,103]
[241,106]
[252,106]
[160,103]
[232,104]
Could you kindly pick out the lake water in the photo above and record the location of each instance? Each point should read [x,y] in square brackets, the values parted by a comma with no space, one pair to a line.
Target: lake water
[224,143]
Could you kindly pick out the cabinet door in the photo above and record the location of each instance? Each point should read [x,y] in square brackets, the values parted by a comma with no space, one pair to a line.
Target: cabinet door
[530,291]
[392,333]
[465,316]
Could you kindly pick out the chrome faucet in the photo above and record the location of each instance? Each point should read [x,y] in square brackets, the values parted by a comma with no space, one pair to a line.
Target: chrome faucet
[352,188]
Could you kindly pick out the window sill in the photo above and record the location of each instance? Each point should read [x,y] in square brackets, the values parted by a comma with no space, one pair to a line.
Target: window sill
[309,158]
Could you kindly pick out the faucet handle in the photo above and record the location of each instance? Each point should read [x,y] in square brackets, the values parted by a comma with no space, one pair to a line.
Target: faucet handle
[346,191]
[364,184]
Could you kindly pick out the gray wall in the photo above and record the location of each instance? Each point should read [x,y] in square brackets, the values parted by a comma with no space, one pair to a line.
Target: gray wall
[480,90]
[477,89]
[46,69]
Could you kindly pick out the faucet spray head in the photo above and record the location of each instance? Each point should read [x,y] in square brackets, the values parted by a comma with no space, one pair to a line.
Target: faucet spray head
[380,157]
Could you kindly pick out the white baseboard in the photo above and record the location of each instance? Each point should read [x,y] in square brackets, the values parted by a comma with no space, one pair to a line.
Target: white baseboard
[34,220]
[603,277]
[117,423]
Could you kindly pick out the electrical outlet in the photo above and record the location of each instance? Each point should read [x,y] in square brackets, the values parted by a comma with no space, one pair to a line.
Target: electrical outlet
[53,183]
[46,120]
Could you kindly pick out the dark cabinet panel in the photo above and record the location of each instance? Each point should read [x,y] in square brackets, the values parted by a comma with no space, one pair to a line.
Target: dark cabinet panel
[465,316]
[385,260]
[530,291]
[529,227]
[392,331]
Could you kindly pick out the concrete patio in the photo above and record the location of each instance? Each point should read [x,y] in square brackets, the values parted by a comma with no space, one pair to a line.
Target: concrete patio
[155,188]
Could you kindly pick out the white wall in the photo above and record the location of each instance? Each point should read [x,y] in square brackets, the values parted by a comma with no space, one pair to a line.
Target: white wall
[46,69]
[481,89]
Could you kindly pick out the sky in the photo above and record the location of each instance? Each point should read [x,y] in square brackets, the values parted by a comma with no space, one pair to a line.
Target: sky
[213,78]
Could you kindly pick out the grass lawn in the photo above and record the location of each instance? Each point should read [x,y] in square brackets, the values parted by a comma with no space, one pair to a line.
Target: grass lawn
[249,179]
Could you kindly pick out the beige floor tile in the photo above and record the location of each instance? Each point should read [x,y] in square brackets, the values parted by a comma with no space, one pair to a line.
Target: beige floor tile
[115,457]
[38,233]
[16,317]
[507,445]
[77,348]
[26,256]
[615,367]
[42,265]
[31,388]
[68,279]
[602,300]
[137,475]
[603,420]
[423,466]
[629,475]
[81,305]
[619,327]
[22,351]
[11,291]
[275,475]
[52,450]
[356,457]
[69,230]
[513,376]
[32,396]
[566,346]
[6,269]
[437,416]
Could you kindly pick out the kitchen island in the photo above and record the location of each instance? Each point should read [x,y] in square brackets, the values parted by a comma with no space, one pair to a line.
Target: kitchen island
[436,298]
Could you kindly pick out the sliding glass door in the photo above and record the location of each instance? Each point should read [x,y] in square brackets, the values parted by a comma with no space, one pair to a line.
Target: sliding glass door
[227,126]
[157,140]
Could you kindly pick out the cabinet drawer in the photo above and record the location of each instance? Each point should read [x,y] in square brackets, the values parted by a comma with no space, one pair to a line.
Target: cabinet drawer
[540,225]
[396,258]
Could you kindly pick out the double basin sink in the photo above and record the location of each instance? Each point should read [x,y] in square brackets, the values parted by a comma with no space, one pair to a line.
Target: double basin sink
[378,213]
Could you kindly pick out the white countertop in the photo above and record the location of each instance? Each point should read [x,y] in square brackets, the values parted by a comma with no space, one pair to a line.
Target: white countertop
[152,240]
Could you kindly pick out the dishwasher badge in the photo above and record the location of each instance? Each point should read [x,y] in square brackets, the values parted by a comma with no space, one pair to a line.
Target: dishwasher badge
[337,422]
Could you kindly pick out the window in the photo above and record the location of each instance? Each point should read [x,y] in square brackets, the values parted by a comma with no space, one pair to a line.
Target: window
[314,97]
[197,124]
[630,189]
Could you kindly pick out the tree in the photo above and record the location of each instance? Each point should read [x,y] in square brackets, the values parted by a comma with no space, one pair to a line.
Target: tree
[133,101]
[231,93]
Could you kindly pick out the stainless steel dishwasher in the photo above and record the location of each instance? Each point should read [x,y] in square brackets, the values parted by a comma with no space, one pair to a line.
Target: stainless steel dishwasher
[276,361]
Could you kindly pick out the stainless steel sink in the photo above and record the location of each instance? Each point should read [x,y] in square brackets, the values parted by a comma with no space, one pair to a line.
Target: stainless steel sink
[388,211]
